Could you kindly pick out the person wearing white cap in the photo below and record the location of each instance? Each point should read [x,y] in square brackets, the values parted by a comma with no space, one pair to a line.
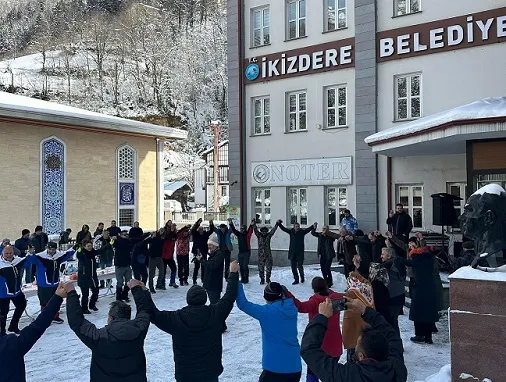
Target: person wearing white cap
[213,265]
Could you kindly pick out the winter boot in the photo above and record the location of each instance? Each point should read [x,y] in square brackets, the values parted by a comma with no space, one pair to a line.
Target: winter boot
[57,319]
[181,282]
[174,285]
[84,305]
[311,378]
[102,284]
[262,281]
[125,294]
[417,339]
[119,294]
[152,288]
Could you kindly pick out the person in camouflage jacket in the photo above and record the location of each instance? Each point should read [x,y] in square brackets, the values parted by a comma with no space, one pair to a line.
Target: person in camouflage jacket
[264,251]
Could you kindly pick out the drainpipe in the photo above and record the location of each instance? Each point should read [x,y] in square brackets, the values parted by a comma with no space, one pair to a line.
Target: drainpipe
[159,183]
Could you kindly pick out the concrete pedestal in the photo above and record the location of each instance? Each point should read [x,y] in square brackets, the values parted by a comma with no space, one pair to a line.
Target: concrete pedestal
[478,324]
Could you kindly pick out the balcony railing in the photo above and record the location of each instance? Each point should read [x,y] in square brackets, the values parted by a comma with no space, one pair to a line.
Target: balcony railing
[192,217]
[224,172]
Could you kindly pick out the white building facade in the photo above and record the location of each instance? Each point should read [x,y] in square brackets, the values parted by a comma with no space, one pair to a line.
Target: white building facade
[311,82]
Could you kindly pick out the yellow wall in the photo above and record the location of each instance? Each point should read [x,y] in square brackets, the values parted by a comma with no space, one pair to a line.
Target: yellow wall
[90,175]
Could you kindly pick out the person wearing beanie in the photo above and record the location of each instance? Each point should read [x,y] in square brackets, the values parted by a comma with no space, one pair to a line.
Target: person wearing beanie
[278,321]
[196,330]
[213,269]
[333,340]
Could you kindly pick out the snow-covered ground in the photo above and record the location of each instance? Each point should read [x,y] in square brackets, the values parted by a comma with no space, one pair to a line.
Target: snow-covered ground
[59,356]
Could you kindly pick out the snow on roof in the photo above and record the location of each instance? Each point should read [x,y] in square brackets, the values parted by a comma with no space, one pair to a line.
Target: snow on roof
[490,189]
[469,273]
[170,188]
[26,108]
[486,108]
[212,148]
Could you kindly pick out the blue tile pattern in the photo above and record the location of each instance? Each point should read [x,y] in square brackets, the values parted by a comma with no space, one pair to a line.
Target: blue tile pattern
[53,186]
[126,194]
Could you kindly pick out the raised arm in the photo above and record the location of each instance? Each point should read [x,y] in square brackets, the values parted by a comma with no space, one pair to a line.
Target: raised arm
[232,228]
[143,316]
[85,330]
[402,245]
[196,225]
[282,227]
[315,357]
[315,234]
[249,234]
[255,230]
[332,235]
[226,303]
[251,309]
[272,231]
[30,334]
[303,307]
[309,229]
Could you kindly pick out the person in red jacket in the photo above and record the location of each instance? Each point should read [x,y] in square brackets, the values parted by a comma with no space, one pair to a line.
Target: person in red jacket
[169,244]
[333,340]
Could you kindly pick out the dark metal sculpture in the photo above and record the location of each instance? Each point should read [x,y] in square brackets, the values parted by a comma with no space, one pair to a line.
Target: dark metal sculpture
[484,221]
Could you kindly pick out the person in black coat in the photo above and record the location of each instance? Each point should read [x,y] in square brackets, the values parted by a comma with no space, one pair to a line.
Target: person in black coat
[87,278]
[377,244]
[364,245]
[14,347]
[197,330]
[424,296]
[326,252]
[140,255]
[400,224]
[117,350]
[122,265]
[136,231]
[243,239]
[213,266]
[296,250]
[379,350]
[83,234]
[155,245]
[199,238]
[39,239]
[114,230]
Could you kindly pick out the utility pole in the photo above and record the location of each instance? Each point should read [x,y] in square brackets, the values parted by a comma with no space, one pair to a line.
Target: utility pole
[216,128]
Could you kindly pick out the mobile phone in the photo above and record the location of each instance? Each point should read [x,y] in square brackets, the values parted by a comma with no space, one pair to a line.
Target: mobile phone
[339,305]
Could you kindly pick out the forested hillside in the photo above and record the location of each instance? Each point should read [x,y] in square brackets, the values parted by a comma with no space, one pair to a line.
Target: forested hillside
[161,61]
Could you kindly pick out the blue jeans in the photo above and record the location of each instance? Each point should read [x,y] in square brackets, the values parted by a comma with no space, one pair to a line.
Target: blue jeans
[103,265]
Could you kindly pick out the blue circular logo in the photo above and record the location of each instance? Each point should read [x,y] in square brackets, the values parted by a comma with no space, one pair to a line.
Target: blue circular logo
[252,72]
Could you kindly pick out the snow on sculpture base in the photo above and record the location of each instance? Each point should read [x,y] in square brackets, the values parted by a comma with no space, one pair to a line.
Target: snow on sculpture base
[477,317]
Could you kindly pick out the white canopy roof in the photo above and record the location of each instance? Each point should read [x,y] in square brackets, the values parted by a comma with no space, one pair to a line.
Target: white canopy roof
[26,108]
[444,132]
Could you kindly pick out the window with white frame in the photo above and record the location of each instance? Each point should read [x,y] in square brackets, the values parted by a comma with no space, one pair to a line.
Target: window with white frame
[408,96]
[411,197]
[262,205]
[261,21]
[297,116]
[224,190]
[458,190]
[296,18]
[297,206]
[336,113]
[336,201]
[335,15]
[261,115]
[126,160]
[405,7]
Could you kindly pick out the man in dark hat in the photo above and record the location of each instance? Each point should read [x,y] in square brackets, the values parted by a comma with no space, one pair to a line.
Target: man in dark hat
[196,331]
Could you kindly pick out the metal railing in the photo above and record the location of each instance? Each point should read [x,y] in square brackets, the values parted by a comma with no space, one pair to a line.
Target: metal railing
[192,217]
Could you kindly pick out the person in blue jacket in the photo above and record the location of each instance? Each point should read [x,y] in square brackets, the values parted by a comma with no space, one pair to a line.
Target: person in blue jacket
[47,264]
[225,244]
[14,347]
[10,288]
[278,319]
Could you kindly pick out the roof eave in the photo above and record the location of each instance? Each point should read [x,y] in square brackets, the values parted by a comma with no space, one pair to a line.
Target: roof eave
[147,130]
[443,126]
